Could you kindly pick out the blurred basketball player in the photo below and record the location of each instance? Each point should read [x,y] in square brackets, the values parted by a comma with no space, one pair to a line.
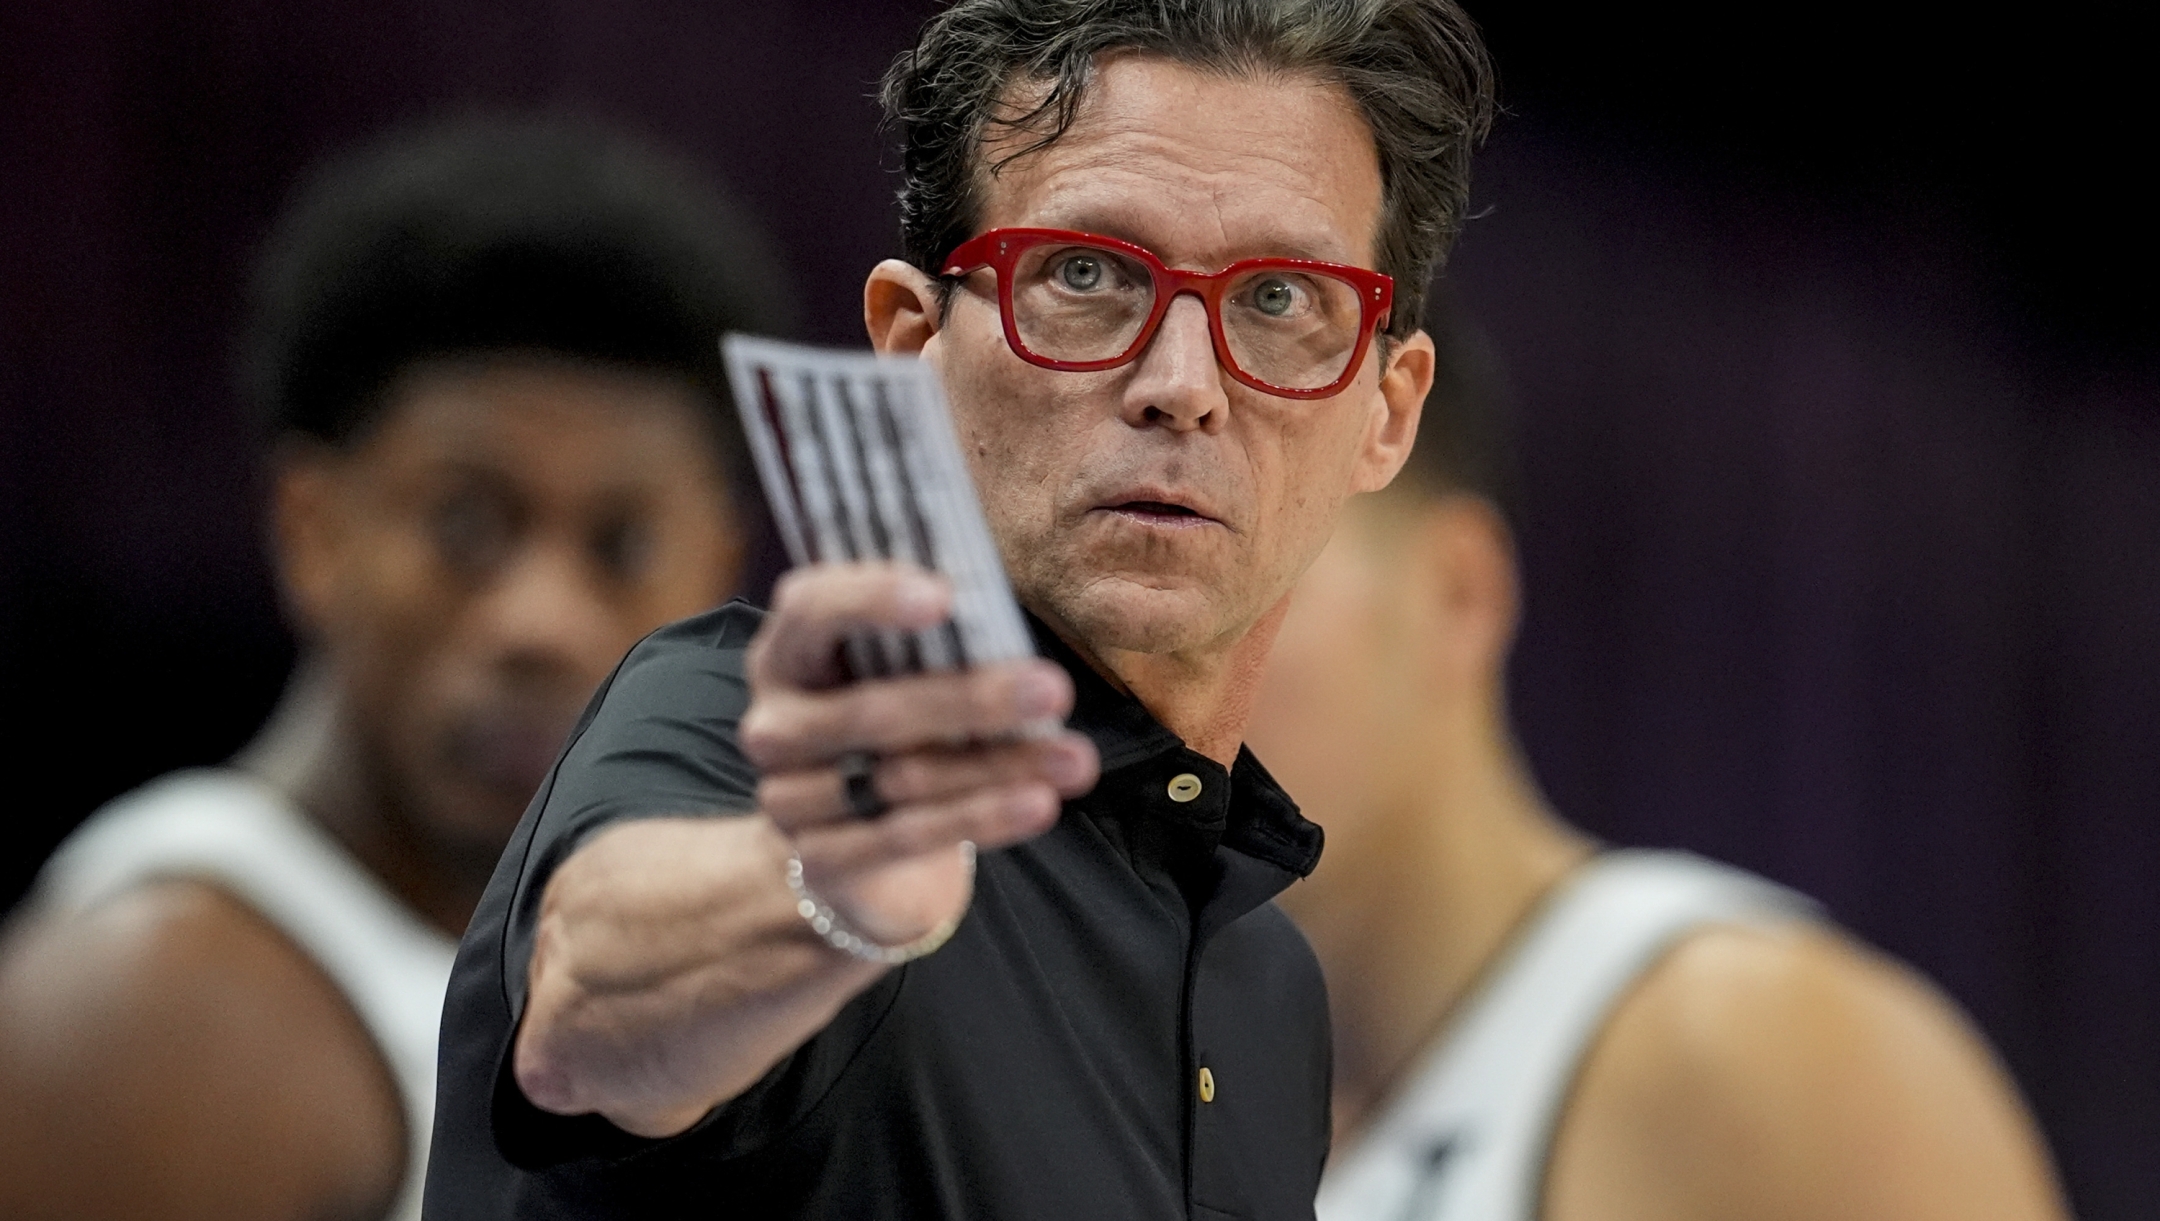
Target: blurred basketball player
[501,456]
[1529,1027]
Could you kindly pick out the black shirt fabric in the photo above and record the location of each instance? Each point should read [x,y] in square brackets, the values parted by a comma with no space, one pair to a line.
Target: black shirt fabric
[1044,1064]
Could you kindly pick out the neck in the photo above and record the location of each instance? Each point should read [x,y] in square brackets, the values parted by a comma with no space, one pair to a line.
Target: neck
[310,751]
[1202,695]
[1406,925]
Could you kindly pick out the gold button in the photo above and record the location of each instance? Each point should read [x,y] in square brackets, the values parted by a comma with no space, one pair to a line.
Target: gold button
[1184,787]
[1207,1085]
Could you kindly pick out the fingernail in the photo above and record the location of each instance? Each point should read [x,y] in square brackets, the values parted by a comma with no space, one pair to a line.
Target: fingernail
[1040,692]
[1068,769]
[1034,803]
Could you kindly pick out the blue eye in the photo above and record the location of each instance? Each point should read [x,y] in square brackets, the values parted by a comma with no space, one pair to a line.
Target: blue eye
[1081,273]
[1275,298]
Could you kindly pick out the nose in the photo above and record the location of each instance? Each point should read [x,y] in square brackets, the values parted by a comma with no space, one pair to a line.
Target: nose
[1176,383]
[544,620]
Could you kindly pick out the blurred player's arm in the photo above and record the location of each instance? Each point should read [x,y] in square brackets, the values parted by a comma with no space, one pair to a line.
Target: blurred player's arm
[169,1054]
[1793,1074]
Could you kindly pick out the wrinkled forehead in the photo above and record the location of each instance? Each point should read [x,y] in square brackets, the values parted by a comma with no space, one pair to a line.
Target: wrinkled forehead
[1201,165]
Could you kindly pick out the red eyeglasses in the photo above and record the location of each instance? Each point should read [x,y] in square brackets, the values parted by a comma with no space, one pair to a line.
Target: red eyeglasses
[1078,302]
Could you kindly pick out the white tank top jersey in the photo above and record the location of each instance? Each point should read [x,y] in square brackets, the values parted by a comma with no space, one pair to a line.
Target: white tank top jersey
[1466,1138]
[231,831]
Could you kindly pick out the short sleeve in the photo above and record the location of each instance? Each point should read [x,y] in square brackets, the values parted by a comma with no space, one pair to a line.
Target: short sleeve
[659,740]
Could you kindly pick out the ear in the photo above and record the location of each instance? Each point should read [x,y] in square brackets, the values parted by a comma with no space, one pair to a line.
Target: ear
[1404,384]
[308,529]
[1470,589]
[900,308]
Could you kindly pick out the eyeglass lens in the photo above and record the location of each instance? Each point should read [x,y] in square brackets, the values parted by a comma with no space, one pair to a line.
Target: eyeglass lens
[1288,327]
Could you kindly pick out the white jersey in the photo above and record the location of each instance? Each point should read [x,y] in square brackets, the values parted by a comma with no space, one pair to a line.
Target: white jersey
[233,832]
[1468,1134]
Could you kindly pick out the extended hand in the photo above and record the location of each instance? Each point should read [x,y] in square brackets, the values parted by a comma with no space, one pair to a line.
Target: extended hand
[670,967]
[952,764]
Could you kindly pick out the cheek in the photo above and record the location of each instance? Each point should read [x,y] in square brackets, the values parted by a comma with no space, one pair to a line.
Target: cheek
[1302,466]
[1019,431]
[396,612]
[696,563]
[1331,440]
[394,602]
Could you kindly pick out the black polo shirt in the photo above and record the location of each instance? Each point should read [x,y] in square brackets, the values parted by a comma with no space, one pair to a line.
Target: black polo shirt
[1046,1063]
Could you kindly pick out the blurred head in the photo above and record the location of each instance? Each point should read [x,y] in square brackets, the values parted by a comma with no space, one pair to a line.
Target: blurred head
[503,448]
[1165,505]
[1390,667]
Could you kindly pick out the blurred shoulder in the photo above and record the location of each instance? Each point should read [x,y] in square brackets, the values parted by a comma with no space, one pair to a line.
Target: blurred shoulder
[168,1051]
[1792,1071]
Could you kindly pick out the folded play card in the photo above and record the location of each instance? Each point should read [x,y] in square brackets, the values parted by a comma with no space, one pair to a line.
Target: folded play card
[860,463]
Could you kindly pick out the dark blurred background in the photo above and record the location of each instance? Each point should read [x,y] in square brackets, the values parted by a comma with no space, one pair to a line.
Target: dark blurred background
[1833,353]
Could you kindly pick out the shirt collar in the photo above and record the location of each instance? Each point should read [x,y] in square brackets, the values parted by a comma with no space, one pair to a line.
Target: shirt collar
[1259,819]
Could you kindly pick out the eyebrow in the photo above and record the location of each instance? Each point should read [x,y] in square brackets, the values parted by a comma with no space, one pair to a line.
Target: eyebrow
[1271,245]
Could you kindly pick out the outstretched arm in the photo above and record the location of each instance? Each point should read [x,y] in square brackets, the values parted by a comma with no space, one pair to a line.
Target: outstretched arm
[670,968]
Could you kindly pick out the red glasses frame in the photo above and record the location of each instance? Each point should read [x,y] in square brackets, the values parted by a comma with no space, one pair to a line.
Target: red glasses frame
[1000,249]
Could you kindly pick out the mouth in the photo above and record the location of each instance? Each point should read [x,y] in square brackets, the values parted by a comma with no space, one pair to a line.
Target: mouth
[1157,511]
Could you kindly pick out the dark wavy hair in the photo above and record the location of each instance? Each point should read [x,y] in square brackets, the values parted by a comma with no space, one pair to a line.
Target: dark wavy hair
[1416,68]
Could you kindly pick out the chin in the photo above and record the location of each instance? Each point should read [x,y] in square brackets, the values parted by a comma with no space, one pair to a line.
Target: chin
[1119,612]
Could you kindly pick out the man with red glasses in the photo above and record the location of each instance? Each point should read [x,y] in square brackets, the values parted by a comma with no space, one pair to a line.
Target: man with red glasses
[1167,256]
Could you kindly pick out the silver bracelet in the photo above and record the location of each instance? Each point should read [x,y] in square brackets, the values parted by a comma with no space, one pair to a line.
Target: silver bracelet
[828,924]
